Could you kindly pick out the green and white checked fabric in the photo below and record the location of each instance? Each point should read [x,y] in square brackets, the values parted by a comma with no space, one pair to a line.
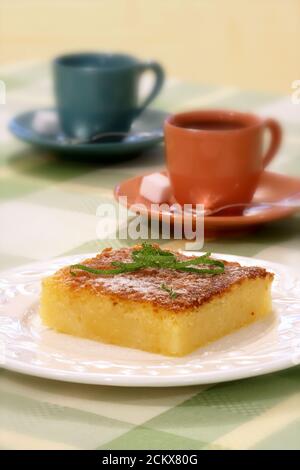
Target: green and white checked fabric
[47,209]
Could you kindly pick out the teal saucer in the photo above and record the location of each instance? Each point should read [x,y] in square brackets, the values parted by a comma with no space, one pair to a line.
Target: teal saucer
[146,131]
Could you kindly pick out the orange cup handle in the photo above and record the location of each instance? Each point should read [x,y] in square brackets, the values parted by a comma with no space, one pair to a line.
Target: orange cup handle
[276,136]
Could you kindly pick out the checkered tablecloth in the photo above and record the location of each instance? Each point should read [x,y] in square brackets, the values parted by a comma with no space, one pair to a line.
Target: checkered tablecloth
[47,209]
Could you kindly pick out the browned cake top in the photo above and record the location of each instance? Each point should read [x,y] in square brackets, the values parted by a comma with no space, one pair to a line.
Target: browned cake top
[191,289]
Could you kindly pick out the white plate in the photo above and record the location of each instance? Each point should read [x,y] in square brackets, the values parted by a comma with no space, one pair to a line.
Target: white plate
[27,346]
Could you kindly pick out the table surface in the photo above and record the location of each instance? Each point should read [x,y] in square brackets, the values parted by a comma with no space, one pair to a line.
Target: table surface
[47,209]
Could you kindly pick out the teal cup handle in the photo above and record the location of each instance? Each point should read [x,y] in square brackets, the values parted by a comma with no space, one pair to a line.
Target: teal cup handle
[159,77]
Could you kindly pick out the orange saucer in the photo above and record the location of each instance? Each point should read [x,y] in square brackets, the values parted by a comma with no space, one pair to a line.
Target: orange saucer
[273,187]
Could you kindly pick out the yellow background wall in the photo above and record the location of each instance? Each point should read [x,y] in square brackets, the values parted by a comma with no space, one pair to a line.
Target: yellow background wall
[248,43]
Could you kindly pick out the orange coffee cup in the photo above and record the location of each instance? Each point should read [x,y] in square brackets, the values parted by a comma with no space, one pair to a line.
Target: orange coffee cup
[216,157]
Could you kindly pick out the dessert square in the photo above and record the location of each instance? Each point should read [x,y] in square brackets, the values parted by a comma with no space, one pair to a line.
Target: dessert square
[160,309]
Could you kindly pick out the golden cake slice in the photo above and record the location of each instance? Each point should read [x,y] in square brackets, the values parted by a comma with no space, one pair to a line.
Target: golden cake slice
[160,309]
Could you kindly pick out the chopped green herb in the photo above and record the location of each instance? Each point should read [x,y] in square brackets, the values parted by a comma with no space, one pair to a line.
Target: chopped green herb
[150,256]
[170,291]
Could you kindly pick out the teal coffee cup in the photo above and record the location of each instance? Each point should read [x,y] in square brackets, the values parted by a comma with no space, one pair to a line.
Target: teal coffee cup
[99,93]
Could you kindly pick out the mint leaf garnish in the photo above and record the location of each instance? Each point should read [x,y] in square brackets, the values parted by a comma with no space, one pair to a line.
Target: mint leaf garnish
[150,256]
